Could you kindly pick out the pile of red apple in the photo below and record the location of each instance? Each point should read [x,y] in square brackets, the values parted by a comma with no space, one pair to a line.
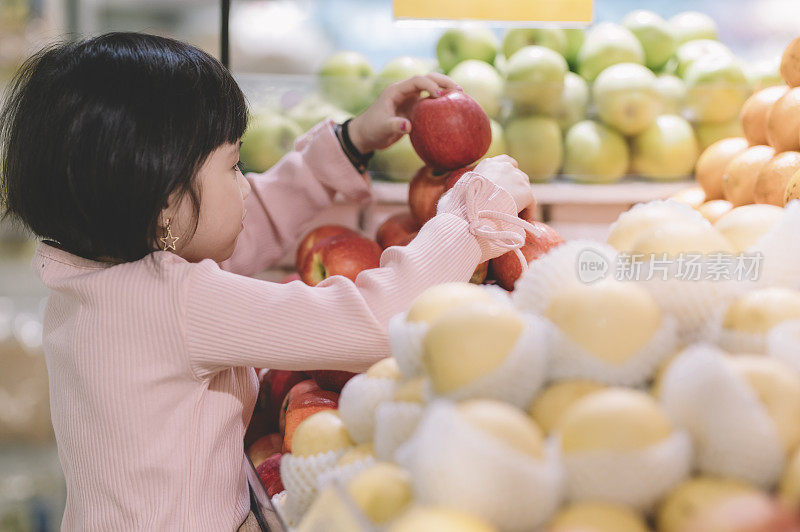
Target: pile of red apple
[286,398]
[449,134]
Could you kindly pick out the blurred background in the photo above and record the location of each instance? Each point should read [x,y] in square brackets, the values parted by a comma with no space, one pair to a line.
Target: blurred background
[276,46]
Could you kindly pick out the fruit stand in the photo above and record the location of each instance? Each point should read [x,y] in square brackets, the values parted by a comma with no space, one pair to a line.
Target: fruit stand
[640,374]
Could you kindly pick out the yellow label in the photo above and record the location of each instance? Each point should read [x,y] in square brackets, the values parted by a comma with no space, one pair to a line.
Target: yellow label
[500,10]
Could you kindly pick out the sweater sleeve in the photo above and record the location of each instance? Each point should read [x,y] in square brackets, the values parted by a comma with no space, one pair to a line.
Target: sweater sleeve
[289,194]
[233,320]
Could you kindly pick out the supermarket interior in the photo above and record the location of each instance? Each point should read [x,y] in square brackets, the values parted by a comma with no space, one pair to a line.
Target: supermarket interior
[657,136]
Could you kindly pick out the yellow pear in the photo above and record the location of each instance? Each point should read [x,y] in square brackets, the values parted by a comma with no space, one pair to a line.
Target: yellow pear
[692,196]
[469,342]
[758,311]
[505,423]
[382,491]
[743,226]
[778,388]
[411,391]
[439,519]
[655,389]
[320,433]
[631,224]
[385,369]
[789,489]
[362,451]
[617,419]
[672,239]
[693,496]
[611,319]
[551,404]
[435,301]
[713,210]
[597,517]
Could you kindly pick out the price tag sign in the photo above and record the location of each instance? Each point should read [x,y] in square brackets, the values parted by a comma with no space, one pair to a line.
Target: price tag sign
[519,11]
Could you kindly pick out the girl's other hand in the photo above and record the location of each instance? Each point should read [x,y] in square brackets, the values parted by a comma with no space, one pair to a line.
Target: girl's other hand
[386,120]
[504,172]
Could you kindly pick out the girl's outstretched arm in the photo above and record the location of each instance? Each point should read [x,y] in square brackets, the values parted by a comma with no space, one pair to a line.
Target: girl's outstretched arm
[233,320]
[289,194]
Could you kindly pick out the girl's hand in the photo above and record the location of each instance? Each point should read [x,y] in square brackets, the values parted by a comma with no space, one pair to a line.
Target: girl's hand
[503,172]
[386,120]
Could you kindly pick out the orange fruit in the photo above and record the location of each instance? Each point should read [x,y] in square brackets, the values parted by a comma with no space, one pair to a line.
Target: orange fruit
[714,209]
[774,177]
[712,162]
[790,64]
[754,113]
[783,122]
[792,188]
[739,181]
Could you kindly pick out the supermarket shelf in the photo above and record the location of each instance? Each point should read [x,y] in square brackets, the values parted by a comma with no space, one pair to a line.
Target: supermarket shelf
[562,192]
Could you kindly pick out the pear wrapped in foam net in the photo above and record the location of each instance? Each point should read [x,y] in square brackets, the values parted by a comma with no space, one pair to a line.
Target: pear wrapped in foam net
[300,476]
[780,251]
[395,423]
[731,431]
[457,465]
[358,401]
[783,343]
[519,376]
[406,337]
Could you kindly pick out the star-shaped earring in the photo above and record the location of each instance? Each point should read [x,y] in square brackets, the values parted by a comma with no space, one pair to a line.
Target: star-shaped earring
[168,241]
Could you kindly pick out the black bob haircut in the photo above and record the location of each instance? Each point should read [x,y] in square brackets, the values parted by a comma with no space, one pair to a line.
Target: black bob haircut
[96,135]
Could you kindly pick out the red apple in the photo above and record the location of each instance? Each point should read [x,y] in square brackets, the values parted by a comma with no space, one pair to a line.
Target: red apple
[273,387]
[290,277]
[424,192]
[449,132]
[506,268]
[331,380]
[395,229]
[346,255]
[301,402]
[753,512]
[407,240]
[301,388]
[264,447]
[315,235]
[269,472]
[455,175]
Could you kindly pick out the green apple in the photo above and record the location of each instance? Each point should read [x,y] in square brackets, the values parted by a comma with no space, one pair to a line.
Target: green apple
[313,110]
[516,38]
[708,133]
[672,91]
[626,97]
[689,52]
[398,162]
[535,79]
[665,150]
[608,44]
[346,80]
[575,38]
[574,101]
[459,44]
[655,34]
[691,25]
[398,69]
[716,89]
[269,137]
[535,142]
[481,81]
[764,73]
[594,153]
[498,145]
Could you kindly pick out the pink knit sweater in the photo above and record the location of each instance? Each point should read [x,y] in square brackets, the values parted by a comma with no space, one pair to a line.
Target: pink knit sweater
[150,362]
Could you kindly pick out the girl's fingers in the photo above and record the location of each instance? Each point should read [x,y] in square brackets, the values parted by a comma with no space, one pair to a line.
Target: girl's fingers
[443,81]
[413,86]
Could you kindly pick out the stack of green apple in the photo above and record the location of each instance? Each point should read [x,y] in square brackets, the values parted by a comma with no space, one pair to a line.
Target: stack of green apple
[643,97]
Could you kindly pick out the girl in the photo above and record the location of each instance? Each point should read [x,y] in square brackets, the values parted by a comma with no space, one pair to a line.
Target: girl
[121,153]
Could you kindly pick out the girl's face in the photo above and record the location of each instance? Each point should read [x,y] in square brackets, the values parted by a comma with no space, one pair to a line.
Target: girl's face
[223,189]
